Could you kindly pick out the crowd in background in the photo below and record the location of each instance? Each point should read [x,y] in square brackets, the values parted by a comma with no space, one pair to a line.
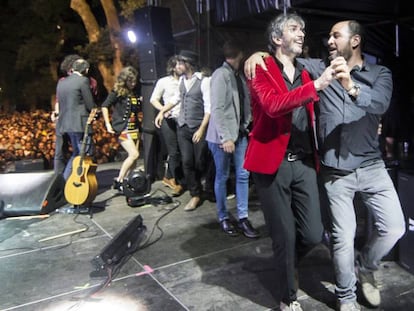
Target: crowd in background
[31,135]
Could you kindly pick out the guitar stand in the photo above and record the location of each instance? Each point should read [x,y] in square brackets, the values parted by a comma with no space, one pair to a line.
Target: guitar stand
[83,209]
[77,209]
[86,209]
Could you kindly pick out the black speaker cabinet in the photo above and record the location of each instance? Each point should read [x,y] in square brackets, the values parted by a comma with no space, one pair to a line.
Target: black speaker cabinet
[406,243]
[153,24]
[31,193]
[153,157]
[147,109]
[29,165]
[124,243]
[155,41]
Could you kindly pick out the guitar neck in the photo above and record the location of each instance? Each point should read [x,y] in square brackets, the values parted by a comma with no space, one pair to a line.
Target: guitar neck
[91,117]
[84,141]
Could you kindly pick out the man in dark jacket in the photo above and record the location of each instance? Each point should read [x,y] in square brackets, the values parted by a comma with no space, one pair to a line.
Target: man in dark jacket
[75,103]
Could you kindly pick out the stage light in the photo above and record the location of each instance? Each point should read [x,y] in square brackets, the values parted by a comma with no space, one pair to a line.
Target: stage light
[131,36]
[136,184]
[137,187]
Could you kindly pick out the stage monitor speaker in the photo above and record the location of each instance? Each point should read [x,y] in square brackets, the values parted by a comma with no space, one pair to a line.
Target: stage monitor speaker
[124,243]
[155,41]
[29,165]
[31,193]
[406,194]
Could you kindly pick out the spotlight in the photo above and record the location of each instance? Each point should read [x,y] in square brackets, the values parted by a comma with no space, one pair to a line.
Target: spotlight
[137,189]
[136,184]
[131,36]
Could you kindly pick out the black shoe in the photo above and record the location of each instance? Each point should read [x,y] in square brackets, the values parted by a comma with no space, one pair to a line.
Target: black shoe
[228,228]
[209,195]
[246,227]
[117,185]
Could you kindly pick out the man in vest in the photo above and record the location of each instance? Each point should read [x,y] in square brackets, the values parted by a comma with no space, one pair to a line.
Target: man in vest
[194,89]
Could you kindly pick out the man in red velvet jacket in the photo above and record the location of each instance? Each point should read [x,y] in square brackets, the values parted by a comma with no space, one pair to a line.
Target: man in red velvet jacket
[281,151]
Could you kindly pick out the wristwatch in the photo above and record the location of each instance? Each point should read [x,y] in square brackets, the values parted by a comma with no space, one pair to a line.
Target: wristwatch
[354,90]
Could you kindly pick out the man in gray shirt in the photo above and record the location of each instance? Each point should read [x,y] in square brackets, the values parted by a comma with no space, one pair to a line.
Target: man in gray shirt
[349,114]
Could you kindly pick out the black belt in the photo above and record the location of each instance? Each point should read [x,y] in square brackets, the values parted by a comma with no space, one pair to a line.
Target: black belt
[291,157]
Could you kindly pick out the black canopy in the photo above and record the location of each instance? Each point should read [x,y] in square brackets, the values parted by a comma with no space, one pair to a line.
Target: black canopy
[389,24]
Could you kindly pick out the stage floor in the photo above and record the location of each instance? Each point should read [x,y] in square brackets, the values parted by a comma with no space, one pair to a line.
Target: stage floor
[187,262]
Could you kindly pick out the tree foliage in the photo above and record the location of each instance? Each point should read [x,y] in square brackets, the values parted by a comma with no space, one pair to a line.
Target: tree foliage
[37,34]
[107,45]
[31,49]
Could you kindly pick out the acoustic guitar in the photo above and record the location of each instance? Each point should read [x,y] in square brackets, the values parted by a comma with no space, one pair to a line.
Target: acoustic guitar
[82,186]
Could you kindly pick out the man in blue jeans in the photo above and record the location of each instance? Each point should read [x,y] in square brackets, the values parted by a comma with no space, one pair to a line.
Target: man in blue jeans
[227,137]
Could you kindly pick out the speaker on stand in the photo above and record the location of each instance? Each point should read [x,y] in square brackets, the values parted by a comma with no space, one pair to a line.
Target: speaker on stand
[155,46]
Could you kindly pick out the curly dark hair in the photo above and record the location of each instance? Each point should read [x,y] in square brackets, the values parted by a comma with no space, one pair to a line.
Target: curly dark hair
[172,61]
[66,64]
[127,74]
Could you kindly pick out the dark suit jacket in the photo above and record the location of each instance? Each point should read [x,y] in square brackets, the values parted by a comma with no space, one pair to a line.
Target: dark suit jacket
[121,110]
[272,106]
[75,102]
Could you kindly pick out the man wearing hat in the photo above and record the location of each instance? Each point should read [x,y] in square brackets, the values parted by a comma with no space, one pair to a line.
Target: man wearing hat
[192,122]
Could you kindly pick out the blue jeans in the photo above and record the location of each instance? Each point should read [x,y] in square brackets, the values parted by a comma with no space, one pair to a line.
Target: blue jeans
[76,144]
[379,196]
[222,162]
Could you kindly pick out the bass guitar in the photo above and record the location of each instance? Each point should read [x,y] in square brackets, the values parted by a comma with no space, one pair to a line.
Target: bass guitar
[82,186]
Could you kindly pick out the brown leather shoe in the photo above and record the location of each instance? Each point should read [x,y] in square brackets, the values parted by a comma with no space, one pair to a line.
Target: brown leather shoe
[177,191]
[192,204]
[169,182]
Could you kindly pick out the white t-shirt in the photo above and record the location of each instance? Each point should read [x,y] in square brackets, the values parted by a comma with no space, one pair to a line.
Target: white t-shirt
[167,92]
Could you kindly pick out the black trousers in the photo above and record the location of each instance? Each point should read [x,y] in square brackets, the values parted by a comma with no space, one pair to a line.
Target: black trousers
[193,158]
[290,203]
[169,133]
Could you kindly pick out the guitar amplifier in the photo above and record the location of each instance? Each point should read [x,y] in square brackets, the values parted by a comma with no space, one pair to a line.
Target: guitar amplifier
[405,245]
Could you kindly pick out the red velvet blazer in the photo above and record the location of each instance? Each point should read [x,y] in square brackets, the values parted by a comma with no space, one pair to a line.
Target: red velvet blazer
[272,106]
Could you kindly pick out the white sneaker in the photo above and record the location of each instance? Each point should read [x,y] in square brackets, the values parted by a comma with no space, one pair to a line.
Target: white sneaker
[369,286]
[293,306]
[349,306]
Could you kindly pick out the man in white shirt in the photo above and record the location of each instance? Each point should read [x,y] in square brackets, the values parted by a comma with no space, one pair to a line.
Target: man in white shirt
[166,92]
